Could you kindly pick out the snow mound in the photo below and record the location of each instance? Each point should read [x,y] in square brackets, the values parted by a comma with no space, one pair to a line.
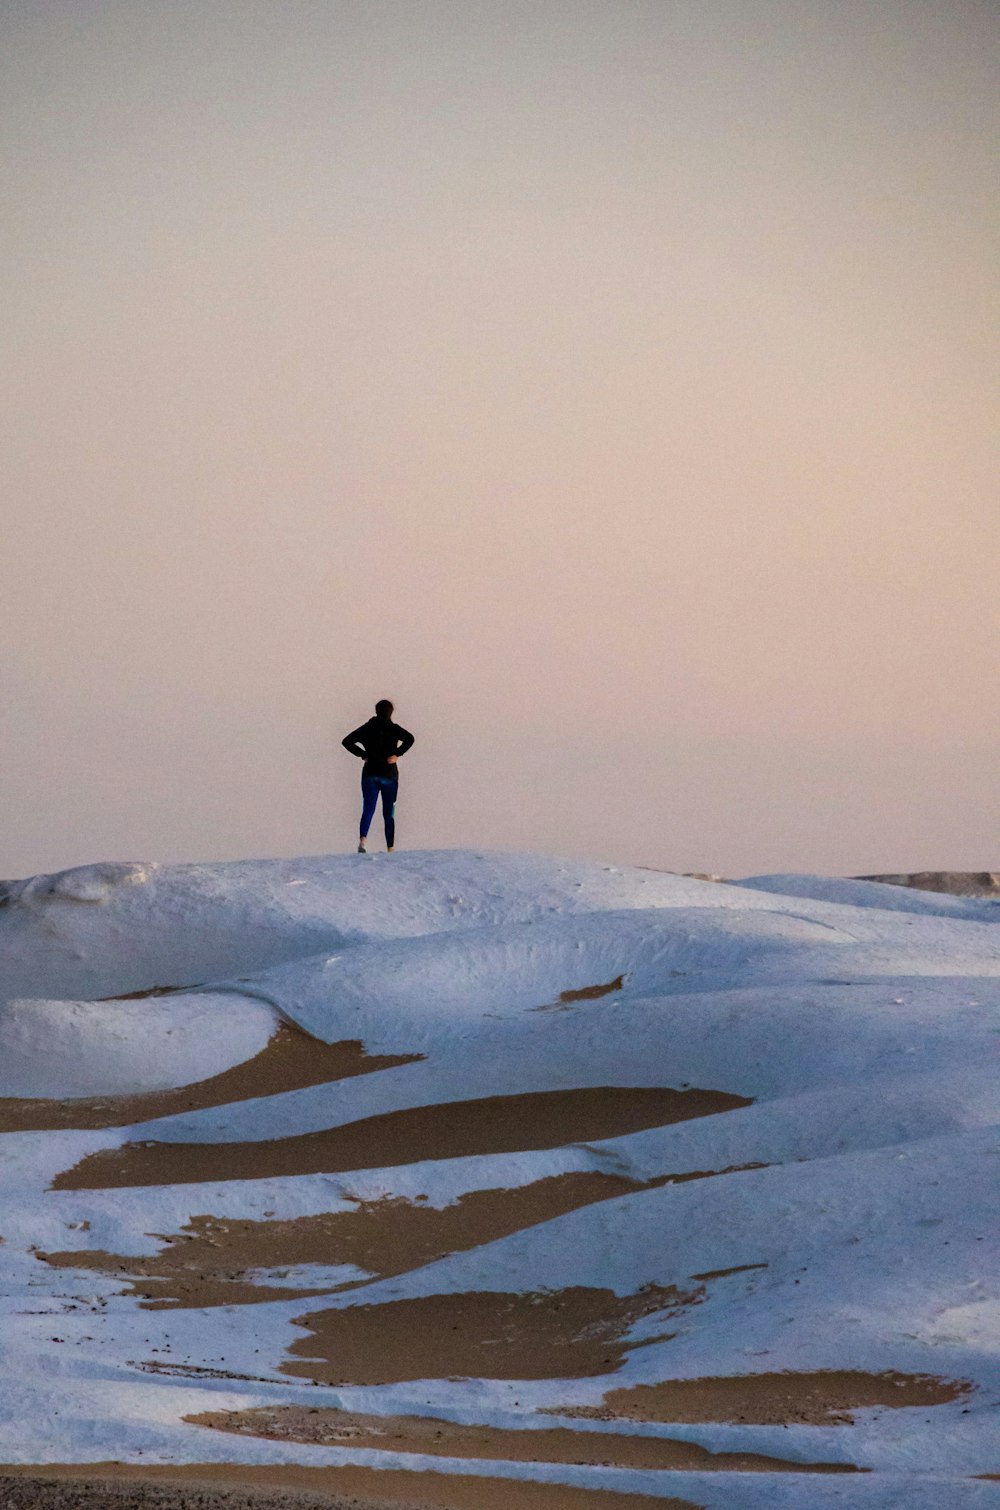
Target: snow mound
[85,883]
[116,1048]
[526,967]
[183,925]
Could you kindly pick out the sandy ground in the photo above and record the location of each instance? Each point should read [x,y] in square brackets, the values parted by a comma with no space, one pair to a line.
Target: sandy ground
[225,1486]
[204,1264]
[439,1438]
[451,1130]
[216,1260]
[824,1398]
[574,1333]
[954,883]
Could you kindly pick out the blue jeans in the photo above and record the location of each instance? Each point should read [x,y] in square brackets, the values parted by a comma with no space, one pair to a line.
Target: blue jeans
[371,786]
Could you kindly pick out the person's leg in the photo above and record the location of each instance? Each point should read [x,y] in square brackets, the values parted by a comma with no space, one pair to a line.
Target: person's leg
[369,801]
[389,791]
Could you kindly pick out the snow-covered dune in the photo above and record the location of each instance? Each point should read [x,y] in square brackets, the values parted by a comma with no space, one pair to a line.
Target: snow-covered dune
[401,1176]
[103,929]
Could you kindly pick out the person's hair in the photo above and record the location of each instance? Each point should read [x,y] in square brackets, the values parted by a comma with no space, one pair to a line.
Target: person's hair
[383,708]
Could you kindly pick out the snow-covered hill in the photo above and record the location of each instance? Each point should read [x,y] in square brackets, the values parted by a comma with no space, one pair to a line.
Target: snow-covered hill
[493,1167]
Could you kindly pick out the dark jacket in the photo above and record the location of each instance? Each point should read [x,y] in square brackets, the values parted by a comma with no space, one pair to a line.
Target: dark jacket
[375,741]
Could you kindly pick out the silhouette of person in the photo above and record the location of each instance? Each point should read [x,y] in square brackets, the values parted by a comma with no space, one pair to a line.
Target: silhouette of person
[379,743]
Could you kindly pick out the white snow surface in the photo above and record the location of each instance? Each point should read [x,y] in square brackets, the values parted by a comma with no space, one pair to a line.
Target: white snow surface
[94,1048]
[860,1022]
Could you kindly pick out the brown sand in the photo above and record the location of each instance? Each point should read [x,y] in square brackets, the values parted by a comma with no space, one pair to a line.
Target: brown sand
[149,991]
[234,1486]
[593,993]
[289,1062]
[207,1263]
[452,1130]
[954,883]
[739,1268]
[585,993]
[436,1438]
[824,1398]
[552,1334]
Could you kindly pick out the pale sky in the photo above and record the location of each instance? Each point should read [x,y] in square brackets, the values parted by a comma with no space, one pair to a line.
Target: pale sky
[610,383]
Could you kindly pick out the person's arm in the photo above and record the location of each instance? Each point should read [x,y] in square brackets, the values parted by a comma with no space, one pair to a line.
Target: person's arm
[405,741]
[351,743]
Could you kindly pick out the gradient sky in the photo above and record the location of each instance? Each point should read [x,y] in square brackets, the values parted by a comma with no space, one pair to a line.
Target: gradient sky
[611,383]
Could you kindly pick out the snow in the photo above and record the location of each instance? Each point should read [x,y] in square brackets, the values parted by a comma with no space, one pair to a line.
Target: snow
[859,893]
[114,1048]
[144,925]
[861,1023]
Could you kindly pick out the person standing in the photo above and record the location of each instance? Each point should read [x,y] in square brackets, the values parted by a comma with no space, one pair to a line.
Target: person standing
[379,743]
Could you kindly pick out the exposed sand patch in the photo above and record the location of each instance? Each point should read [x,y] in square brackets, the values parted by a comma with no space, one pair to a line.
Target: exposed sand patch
[585,993]
[213,1259]
[150,991]
[725,1273]
[955,883]
[451,1130]
[233,1486]
[824,1398]
[557,1444]
[593,993]
[206,1263]
[290,1061]
[550,1334]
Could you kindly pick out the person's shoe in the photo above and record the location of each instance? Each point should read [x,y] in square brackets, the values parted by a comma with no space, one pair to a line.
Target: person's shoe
[361,847]
[390,849]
